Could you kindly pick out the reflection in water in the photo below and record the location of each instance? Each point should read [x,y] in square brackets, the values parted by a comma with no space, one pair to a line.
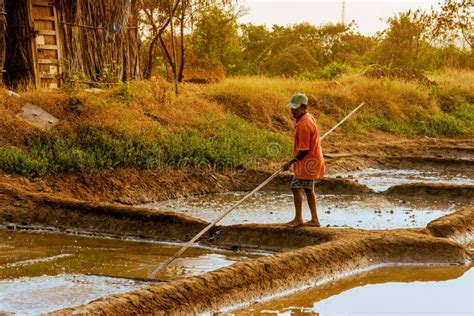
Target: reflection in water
[369,212]
[382,179]
[415,290]
[32,296]
[43,272]
[35,254]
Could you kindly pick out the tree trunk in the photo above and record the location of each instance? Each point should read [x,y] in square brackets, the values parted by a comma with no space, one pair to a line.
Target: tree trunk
[181,48]
[159,36]
[173,47]
[149,66]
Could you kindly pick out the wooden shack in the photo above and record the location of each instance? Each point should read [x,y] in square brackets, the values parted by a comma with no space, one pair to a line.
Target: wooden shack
[46,43]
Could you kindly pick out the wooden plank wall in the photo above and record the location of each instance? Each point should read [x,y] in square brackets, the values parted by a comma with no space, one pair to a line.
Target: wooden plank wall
[47,43]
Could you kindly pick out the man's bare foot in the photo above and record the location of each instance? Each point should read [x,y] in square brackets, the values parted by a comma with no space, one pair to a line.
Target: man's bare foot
[312,223]
[294,223]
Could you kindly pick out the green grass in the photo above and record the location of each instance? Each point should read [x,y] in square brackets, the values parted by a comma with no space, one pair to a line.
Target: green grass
[233,144]
[441,124]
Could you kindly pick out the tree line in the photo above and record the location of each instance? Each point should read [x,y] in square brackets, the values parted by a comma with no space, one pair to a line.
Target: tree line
[202,40]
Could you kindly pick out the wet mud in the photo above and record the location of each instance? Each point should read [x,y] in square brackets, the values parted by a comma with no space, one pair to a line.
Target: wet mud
[268,277]
[43,294]
[307,255]
[39,210]
[35,210]
[381,180]
[458,226]
[34,254]
[463,192]
[439,161]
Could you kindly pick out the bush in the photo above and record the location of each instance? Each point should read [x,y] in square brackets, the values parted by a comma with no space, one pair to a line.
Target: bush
[291,61]
[333,70]
[421,124]
[442,125]
[234,143]
[15,160]
[451,99]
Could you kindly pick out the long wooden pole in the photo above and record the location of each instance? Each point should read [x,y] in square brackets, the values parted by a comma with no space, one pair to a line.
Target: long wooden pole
[206,229]
[342,121]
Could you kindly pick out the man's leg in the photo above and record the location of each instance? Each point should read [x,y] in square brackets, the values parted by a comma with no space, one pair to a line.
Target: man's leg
[311,196]
[298,198]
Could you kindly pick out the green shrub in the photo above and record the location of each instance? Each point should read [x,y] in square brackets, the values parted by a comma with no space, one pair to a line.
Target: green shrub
[437,125]
[333,70]
[465,113]
[15,160]
[450,100]
[233,143]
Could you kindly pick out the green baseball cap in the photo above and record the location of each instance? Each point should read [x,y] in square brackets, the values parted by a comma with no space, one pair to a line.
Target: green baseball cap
[296,100]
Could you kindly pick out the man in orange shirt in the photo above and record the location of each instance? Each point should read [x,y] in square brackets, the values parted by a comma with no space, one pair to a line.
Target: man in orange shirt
[308,162]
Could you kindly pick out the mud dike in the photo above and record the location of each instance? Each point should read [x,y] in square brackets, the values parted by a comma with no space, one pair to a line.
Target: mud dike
[302,258]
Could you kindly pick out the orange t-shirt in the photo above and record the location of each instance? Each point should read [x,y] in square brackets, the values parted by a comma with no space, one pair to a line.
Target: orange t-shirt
[307,138]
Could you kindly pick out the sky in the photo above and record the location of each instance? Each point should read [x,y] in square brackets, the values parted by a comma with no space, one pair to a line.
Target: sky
[369,15]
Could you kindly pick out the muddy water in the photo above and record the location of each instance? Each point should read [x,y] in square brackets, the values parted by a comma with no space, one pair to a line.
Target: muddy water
[32,296]
[382,179]
[369,212]
[408,290]
[41,272]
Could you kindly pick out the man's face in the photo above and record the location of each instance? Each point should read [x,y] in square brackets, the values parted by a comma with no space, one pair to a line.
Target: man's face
[299,112]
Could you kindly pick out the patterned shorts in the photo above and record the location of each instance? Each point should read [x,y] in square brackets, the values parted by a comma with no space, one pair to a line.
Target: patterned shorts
[302,184]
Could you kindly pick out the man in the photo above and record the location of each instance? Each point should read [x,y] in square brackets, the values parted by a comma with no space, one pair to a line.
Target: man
[308,162]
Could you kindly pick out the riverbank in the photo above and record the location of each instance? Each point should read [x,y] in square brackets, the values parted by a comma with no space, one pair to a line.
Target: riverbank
[128,186]
[239,123]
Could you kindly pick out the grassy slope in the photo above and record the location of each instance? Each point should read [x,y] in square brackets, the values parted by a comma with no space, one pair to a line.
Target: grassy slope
[238,122]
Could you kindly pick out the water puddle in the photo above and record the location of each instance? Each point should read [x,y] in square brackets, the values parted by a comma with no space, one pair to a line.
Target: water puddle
[28,254]
[41,272]
[368,212]
[38,295]
[382,179]
[402,290]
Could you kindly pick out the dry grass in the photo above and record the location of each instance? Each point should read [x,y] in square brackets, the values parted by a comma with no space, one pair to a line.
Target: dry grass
[262,100]
[144,107]
[463,80]
[231,121]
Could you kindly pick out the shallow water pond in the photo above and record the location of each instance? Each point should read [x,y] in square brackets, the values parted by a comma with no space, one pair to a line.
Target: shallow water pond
[35,254]
[265,207]
[394,291]
[37,295]
[382,179]
[41,272]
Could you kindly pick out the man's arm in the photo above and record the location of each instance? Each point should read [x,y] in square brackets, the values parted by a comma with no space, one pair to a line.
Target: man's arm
[299,155]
